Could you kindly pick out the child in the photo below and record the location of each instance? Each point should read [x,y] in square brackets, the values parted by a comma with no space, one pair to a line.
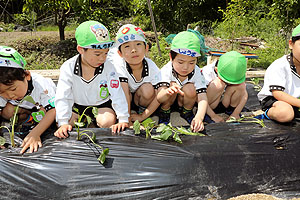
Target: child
[280,94]
[15,84]
[87,80]
[138,74]
[226,90]
[182,79]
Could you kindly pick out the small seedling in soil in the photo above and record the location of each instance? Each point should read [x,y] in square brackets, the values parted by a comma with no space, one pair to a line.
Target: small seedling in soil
[79,124]
[255,81]
[247,120]
[14,120]
[165,132]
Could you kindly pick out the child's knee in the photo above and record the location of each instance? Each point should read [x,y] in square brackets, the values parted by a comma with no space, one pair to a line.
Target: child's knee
[282,112]
[8,111]
[105,120]
[189,91]
[147,91]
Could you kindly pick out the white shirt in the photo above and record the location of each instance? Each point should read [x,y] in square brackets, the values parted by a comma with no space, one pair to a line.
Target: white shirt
[73,88]
[196,77]
[281,75]
[150,73]
[42,91]
[209,72]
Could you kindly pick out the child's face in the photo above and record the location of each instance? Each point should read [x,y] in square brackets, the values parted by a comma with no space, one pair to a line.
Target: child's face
[295,47]
[16,91]
[133,52]
[184,64]
[93,57]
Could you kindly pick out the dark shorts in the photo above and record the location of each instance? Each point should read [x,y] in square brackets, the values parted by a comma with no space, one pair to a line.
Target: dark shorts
[267,103]
[221,109]
[89,112]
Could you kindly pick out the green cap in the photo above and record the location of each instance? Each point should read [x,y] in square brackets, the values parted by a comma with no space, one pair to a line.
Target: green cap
[93,35]
[186,43]
[9,57]
[296,31]
[232,67]
[129,32]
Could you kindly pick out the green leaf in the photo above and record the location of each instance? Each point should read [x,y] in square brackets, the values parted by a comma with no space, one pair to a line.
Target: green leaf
[89,119]
[137,127]
[156,137]
[148,123]
[95,111]
[162,127]
[103,155]
[188,131]
[29,99]
[94,137]
[76,110]
[79,124]
[2,141]
[166,134]
[177,138]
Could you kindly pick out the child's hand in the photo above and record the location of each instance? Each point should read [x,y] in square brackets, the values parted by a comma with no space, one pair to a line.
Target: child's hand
[119,127]
[31,141]
[135,117]
[233,115]
[197,125]
[175,88]
[63,131]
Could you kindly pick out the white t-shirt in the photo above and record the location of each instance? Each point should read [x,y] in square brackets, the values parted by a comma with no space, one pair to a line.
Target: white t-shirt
[281,75]
[169,75]
[41,89]
[73,88]
[150,73]
[209,72]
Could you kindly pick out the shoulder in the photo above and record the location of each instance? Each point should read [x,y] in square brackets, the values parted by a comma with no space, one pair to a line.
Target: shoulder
[279,64]
[152,65]
[69,64]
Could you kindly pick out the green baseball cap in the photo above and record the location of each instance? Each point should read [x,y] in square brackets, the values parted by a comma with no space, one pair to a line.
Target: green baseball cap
[93,35]
[129,32]
[232,67]
[9,57]
[296,31]
[186,43]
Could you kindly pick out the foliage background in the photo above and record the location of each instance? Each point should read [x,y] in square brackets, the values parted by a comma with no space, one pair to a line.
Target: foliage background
[269,22]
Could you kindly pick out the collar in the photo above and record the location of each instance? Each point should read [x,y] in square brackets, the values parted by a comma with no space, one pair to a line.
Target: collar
[175,74]
[78,67]
[145,71]
[30,87]
[292,65]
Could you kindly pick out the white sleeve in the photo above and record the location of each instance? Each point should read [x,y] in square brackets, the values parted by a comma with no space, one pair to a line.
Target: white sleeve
[209,73]
[47,97]
[165,76]
[3,103]
[64,96]
[118,98]
[200,84]
[276,75]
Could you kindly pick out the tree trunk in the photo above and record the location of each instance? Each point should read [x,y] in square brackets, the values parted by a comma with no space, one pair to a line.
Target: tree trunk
[61,28]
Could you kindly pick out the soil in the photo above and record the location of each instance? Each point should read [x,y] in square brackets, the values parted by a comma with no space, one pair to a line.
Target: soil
[8,37]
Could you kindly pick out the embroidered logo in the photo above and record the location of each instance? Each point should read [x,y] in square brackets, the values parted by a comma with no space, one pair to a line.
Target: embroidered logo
[114,83]
[100,32]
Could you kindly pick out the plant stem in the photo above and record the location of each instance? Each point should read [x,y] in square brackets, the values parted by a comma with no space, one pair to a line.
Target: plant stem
[83,133]
[12,133]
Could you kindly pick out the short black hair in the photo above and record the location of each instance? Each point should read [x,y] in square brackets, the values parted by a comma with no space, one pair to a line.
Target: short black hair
[9,74]
[173,54]
[294,39]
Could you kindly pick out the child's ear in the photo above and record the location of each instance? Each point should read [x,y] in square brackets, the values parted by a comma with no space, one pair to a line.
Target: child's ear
[120,53]
[147,48]
[28,75]
[291,44]
[80,49]
[170,56]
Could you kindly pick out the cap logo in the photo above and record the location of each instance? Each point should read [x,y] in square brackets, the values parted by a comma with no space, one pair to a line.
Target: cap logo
[125,30]
[187,52]
[100,32]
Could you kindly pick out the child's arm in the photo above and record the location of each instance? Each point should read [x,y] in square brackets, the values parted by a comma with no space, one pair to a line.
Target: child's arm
[197,123]
[282,96]
[126,90]
[165,93]
[33,140]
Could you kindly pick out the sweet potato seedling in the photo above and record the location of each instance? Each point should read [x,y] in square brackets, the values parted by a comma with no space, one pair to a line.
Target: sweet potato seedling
[164,132]
[79,124]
